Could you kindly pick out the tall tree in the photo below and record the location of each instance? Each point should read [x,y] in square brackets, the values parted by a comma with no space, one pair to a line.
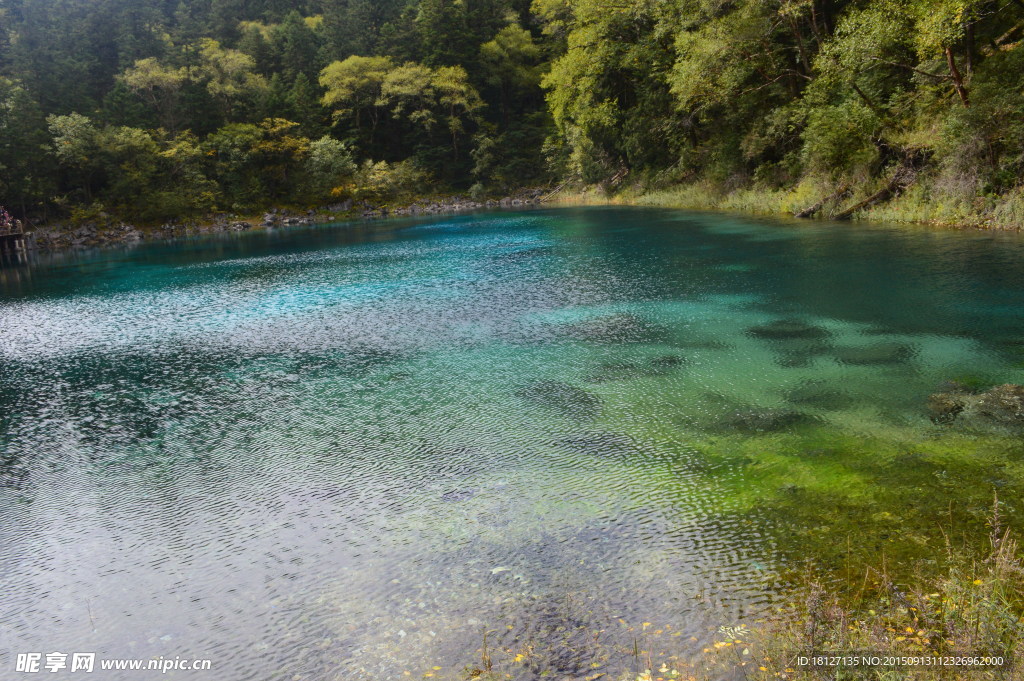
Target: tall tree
[356,26]
[354,88]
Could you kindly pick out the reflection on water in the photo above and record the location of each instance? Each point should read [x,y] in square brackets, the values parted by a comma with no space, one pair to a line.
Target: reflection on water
[313,456]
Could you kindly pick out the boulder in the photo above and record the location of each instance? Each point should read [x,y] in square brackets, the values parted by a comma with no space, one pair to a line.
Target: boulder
[945,407]
[1001,407]
[1003,404]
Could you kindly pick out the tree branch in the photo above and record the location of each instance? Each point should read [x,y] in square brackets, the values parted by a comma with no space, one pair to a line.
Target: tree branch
[937,76]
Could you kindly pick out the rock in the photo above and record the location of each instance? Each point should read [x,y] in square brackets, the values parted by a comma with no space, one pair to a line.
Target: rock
[786,329]
[945,407]
[799,352]
[562,397]
[876,354]
[1003,404]
[1001,407]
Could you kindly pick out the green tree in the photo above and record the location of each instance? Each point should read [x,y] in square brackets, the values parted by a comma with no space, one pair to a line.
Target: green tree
[353,89]
[609,93]
[444,36]
[304,103]
[185,187]
[159,86]
[408,91]
[511,63]
[26,170]
[230,77]
[255,163]
[458,100]
[75,146]
[329,165]
[299,46]
[129,159]
[356,26]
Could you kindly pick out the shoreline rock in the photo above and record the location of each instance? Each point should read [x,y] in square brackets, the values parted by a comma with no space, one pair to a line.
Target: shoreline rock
[56,237]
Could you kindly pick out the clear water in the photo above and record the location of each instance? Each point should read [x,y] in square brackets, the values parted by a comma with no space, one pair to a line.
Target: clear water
[348,452]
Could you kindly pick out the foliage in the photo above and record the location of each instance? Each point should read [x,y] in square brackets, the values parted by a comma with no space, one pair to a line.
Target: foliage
[353,88]
[159,85]
[382,181]
[793,100]
[329,164]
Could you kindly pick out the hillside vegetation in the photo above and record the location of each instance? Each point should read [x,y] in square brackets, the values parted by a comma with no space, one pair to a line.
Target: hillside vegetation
[156,110]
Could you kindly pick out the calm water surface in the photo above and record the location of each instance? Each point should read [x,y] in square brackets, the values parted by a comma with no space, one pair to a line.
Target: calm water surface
[347,452]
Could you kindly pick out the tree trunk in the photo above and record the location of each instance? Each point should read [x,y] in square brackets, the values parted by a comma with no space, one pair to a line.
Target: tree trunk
[901,179]
[811,210]
[958,81]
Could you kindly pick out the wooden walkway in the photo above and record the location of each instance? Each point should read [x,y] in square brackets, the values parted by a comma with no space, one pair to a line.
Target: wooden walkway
[12,240]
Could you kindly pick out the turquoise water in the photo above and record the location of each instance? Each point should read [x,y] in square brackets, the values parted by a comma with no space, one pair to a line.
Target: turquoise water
[349,452]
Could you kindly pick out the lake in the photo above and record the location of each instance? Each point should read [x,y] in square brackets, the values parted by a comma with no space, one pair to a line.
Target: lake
[356,451]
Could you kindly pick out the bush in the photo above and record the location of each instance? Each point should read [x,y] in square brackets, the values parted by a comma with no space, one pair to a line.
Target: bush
[382,181]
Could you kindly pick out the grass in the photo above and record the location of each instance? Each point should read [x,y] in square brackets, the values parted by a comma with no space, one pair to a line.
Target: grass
[923,203]
[975,608]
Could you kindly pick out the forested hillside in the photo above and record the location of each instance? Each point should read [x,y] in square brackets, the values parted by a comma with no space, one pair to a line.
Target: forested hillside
[162,109]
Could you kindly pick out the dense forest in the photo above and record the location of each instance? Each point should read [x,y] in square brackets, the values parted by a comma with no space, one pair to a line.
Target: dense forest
[155,110]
